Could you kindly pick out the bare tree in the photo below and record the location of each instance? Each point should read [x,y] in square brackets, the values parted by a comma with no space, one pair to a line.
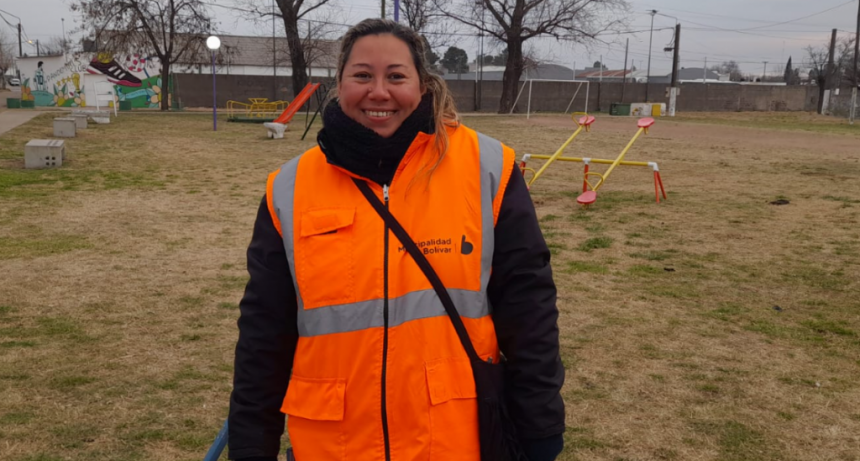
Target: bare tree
[319,43]
[290,12]
[173,30]
[730,68]
[7,56]
[845,61]
[422,17]
[55,46]
[513,22]
[817,60]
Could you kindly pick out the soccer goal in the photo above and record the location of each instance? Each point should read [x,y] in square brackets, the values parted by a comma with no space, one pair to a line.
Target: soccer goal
[577,83]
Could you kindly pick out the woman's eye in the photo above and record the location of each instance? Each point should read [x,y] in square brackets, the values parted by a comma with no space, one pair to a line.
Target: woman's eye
[362,76]
[396,76]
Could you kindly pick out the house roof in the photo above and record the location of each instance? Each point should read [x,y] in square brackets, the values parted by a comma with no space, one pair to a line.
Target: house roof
[596,73]
[541,72]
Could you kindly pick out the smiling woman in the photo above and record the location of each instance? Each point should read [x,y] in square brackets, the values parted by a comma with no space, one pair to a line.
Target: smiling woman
[339,327]
[379,86]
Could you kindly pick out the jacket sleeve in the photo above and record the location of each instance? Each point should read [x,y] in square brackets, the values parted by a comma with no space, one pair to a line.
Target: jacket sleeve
[522,295]
[267,342]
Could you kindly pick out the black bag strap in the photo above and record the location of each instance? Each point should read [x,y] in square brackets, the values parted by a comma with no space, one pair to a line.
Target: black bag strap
[423,263]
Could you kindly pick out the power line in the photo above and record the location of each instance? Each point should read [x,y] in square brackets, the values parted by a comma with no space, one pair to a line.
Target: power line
[735,18]
[849,2]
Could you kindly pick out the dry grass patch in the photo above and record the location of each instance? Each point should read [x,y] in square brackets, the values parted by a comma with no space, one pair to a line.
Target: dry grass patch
[712,326]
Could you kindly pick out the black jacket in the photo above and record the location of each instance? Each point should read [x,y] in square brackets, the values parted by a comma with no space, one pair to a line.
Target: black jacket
[521,292]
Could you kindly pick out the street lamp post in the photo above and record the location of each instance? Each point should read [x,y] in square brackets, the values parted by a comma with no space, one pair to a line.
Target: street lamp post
[214,43]
[650,42]
[38,52]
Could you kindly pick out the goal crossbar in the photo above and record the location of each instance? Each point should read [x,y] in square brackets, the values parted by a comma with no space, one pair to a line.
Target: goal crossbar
[530,83]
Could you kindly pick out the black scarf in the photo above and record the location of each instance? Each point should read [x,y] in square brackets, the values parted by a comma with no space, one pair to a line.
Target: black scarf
[359,150]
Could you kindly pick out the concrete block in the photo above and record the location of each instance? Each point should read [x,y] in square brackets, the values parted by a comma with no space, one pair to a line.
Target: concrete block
[101,119]
[98,116]
[275,130]
[65,127]
[80,121]
[44,153]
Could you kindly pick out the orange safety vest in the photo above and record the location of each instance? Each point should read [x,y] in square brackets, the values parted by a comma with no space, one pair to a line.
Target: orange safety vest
[379,373]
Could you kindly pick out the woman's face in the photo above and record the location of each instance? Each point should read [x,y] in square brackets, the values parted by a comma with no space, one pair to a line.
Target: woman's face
[380,86]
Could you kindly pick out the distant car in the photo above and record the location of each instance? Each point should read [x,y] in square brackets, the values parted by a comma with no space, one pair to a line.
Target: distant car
[14,81]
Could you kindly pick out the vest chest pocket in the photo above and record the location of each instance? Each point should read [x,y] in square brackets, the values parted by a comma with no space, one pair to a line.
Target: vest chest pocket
[325,262]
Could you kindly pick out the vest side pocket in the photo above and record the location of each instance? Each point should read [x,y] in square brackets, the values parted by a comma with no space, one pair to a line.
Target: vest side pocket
[453,410]
[325,257]
[315,412]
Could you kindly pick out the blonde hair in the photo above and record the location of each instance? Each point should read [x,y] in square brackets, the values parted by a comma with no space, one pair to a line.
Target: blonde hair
[444,111]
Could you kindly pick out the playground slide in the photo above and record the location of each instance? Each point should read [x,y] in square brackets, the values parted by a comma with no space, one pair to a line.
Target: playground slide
[297,103]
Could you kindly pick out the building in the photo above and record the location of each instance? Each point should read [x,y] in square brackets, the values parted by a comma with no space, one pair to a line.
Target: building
[65,80]
[689,74]
[605,75]
[242,55]
[496,73]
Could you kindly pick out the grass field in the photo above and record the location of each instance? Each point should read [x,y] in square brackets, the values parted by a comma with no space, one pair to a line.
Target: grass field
[714,326]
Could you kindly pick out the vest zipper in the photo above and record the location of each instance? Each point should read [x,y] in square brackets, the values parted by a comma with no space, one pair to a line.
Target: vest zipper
[385,434]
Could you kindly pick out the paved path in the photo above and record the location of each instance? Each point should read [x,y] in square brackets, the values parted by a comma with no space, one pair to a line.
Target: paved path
[14,118]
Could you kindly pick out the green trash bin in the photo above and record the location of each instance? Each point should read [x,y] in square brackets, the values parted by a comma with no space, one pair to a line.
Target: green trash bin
[619,109]
[13,103]
[29,104]
[125,105]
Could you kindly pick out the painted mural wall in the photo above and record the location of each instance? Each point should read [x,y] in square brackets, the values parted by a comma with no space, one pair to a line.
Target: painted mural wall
[65,81]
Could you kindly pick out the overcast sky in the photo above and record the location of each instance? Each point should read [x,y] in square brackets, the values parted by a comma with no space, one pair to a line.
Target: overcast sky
[746,31]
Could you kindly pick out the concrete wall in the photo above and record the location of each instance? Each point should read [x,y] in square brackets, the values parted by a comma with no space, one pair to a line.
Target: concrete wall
[696,97]
[196,91]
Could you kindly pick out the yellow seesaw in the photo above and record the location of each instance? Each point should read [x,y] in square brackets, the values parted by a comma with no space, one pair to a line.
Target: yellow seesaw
[590,196]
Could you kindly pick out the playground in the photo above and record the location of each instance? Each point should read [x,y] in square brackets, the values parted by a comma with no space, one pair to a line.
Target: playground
[719,324]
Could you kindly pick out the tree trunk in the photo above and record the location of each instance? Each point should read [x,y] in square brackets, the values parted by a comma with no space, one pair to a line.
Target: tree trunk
[297,55]
[165,84]
[513,72]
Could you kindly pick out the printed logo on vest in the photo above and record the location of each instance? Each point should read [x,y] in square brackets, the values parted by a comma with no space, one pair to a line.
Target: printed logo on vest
[442,246]
[466,247]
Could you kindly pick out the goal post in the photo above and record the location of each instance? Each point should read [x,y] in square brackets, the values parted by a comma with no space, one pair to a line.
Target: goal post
[530,84]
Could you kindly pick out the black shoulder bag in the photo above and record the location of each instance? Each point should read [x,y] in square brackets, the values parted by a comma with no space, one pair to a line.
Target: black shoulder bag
[496,429]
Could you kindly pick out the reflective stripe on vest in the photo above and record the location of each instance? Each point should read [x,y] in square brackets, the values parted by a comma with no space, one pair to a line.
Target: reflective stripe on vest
[411,306]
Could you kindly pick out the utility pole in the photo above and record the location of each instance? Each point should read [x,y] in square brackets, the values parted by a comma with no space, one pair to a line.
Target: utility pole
[828,82]
[274,58]
[673,91]
[705,71]
[481,80]
[853,111]
[601,69]
[764,74]
[382,2]
[624,75]
[20,43]
[650,42]
[63,20]
[396,10]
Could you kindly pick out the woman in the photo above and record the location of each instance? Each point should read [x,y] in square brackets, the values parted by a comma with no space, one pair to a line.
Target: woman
[341,331]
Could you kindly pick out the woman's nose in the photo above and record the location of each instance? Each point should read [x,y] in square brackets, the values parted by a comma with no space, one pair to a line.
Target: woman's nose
[378,90]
